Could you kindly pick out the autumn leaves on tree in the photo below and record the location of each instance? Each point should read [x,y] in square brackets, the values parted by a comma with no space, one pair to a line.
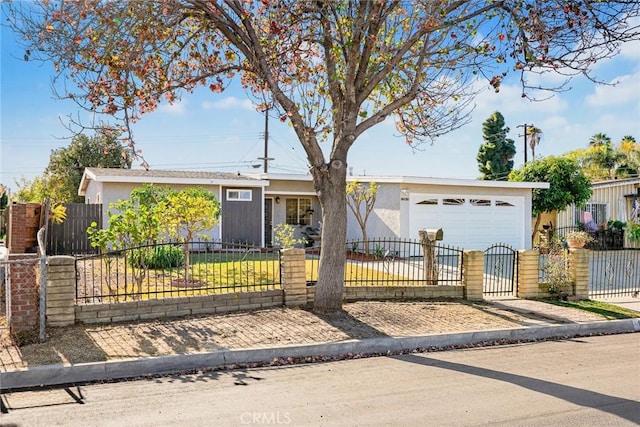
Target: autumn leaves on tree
[332,69]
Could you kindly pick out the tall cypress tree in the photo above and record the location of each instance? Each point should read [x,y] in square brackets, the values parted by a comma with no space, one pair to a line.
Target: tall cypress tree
[495,156]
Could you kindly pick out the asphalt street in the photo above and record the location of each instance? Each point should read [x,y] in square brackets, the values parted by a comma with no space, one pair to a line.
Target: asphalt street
[593,381]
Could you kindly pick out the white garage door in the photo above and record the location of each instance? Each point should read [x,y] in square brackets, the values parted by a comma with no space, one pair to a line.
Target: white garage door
[469,222]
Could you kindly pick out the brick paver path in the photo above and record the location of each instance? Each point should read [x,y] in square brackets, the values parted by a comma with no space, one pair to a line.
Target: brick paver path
[259,329]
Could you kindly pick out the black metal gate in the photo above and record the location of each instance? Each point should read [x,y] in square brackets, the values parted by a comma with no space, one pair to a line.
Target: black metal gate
[614,273]
[500,271]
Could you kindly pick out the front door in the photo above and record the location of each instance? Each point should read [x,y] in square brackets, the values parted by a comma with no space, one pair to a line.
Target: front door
[268,222]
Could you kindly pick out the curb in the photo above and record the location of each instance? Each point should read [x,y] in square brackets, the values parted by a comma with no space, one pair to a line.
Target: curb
[56,375]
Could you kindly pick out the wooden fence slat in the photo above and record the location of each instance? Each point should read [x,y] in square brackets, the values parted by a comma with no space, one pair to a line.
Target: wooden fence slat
[70,237]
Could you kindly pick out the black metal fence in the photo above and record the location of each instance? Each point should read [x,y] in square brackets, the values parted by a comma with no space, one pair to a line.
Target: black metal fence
[500,270]
[163,271]
[393,262]
[614,273]
[603,239]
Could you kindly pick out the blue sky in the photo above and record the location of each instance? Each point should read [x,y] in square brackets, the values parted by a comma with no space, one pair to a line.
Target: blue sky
[222,132]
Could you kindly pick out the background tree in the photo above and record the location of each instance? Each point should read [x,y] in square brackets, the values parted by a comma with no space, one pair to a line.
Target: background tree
[31,191]
[186,213]
[629,163]
[67,164]
[495,156]
[601,160]
[333,69]
[602,155]
[60,181]
[361,201]
[567,184]
[599,139]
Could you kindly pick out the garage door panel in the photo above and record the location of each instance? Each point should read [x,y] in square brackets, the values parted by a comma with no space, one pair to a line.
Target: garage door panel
[478,223]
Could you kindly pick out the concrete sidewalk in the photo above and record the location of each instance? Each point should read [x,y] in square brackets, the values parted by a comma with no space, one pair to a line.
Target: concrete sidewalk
[84,353]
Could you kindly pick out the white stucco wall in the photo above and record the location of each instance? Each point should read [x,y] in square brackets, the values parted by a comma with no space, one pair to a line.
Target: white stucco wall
[384,220]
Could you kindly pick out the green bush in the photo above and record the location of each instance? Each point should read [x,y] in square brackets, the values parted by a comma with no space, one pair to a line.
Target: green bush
[157,257]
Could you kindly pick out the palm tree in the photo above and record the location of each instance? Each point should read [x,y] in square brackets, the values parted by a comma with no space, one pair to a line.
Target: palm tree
[534,135]
[627,143]
[630,157]
[599,139]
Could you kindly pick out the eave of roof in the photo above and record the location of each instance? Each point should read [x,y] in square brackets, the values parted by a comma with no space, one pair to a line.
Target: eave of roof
[166,177]
[615,182]
[414,180]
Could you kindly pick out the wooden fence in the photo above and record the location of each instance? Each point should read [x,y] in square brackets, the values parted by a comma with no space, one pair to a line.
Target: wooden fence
[70,237]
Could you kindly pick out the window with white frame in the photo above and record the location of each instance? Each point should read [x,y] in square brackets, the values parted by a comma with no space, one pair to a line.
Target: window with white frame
[598,212]
[239,195]
[299,211]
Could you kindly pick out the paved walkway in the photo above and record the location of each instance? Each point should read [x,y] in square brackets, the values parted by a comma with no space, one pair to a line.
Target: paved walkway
[280,327]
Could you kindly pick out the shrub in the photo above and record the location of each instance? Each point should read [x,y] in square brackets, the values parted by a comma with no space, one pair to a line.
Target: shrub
[157,257]
[557,274]
[284,236]
[633,231]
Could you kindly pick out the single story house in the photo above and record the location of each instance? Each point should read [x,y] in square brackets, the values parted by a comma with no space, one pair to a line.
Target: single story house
[241,197]
[473,214]
[614,200]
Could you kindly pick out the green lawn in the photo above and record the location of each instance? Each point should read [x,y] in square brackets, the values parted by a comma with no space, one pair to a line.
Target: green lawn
[115,279]
[608,311]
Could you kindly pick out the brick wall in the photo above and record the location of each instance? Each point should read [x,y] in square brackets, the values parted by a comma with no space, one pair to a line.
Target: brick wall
[61,291]
[473,274]
[359,293]
[24,296]
[177,307]
[293,277]
[528,274]
[24,222]
[579,266]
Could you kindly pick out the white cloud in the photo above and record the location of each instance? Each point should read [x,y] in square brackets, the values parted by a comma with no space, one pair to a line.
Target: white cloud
[178,108]
[509,101]
[227,103]
[631,50]
[625,89]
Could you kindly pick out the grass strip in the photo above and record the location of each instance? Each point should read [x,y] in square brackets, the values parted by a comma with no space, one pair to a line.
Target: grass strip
[606,310]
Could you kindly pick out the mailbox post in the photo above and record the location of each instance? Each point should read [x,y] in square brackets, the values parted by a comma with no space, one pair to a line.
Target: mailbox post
[428,239]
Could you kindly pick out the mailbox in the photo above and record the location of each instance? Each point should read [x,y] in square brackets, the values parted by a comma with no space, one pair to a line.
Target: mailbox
[431,234]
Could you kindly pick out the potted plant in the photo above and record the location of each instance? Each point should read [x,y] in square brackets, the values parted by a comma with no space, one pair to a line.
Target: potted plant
[577,239]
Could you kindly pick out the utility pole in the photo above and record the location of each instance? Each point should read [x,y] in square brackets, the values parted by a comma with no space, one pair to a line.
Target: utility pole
[266,157]
[525,141]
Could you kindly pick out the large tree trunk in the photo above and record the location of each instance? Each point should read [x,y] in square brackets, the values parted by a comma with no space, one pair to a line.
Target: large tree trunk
[330,185]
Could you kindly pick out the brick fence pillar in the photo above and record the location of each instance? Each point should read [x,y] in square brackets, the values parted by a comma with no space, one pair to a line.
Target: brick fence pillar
[473,274]
[579,266]
[293,277]
[24,297]
[61,291]
[528,275]
[24,221]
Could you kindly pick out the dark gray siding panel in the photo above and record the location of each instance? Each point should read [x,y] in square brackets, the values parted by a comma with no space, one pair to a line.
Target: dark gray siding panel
[242,220]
